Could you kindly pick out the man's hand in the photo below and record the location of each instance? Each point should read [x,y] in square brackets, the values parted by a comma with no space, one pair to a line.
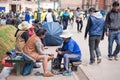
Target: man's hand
[59,52]
[107,33]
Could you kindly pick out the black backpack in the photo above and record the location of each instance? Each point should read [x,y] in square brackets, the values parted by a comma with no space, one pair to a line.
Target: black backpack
[56,64]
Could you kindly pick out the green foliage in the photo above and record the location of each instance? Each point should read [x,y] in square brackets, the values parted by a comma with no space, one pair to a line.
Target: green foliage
[7,39]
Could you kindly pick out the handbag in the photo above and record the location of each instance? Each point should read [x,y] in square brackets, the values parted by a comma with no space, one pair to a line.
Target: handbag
[6,64]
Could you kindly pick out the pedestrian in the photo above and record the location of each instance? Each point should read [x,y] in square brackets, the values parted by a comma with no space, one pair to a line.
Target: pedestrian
[65,19]
[43,15]
[79,21]
[71,18]
[112,30]
[95,27]
[27,16]
[70,51]
[50,16]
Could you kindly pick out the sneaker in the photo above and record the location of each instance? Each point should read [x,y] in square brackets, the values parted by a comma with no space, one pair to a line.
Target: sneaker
[98,60]
[37,73]
[110,58]
[80,31]
[66,73]
[116,58]
[48,74]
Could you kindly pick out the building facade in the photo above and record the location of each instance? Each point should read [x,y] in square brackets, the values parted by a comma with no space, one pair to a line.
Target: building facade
[72,4]
[15,5]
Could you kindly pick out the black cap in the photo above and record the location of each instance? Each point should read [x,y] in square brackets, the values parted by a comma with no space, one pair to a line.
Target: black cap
[115,3]
[77,8]
[49,10]
[92,9]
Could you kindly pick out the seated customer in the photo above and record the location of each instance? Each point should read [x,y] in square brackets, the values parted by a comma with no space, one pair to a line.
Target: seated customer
[70,50]
[22,35]
[34,49]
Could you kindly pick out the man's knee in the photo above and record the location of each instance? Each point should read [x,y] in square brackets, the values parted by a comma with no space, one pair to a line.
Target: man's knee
[66,55]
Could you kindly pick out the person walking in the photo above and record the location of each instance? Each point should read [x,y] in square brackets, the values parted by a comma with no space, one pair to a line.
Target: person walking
[79,21]
[112,30]
[65,19]
[95,27]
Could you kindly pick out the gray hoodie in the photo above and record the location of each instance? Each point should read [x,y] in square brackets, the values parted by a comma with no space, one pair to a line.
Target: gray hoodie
[97,15]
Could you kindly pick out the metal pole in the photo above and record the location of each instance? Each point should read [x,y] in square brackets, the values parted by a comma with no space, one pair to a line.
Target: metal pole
[59,8]
[54,3]
[38,16]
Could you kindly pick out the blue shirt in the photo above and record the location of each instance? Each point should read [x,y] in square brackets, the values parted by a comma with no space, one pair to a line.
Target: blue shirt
[71,46]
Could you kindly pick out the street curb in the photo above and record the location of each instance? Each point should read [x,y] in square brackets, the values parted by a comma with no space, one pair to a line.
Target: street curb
[81,74]
[86,73]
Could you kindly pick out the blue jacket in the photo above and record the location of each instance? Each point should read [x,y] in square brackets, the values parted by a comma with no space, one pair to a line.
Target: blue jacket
[65,16]
[27,17]
[71,46]
[95,25]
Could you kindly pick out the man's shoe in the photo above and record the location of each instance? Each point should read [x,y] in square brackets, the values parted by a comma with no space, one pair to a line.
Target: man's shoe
[92,62]
[98,60]
[116,58]
[66,73]
[110,58]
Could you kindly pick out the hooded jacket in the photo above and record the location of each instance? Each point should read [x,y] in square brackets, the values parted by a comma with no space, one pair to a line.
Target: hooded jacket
[95,25]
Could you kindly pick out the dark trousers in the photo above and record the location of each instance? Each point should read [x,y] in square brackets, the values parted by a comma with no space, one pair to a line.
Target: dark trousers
[94,46]
[65,24]
[79,25]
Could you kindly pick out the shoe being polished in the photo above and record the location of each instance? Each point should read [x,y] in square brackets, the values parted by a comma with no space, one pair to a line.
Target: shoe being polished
[67,73]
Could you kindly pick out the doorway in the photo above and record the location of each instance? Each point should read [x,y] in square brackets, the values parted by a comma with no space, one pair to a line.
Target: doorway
[13,8]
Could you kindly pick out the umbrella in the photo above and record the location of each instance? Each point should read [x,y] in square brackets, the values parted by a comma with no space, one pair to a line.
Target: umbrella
[54,30]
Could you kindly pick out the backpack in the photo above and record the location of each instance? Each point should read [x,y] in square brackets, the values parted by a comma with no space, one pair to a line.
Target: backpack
[56,64]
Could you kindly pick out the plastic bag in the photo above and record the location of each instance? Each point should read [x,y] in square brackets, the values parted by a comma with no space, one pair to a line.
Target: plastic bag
[6,64]
[5,72]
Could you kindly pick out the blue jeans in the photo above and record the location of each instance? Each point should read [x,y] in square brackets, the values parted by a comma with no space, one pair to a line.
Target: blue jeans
[113,36]
[65,24]
[70,57]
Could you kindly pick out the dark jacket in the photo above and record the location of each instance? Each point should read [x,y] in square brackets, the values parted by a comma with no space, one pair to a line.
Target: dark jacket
[112,21]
